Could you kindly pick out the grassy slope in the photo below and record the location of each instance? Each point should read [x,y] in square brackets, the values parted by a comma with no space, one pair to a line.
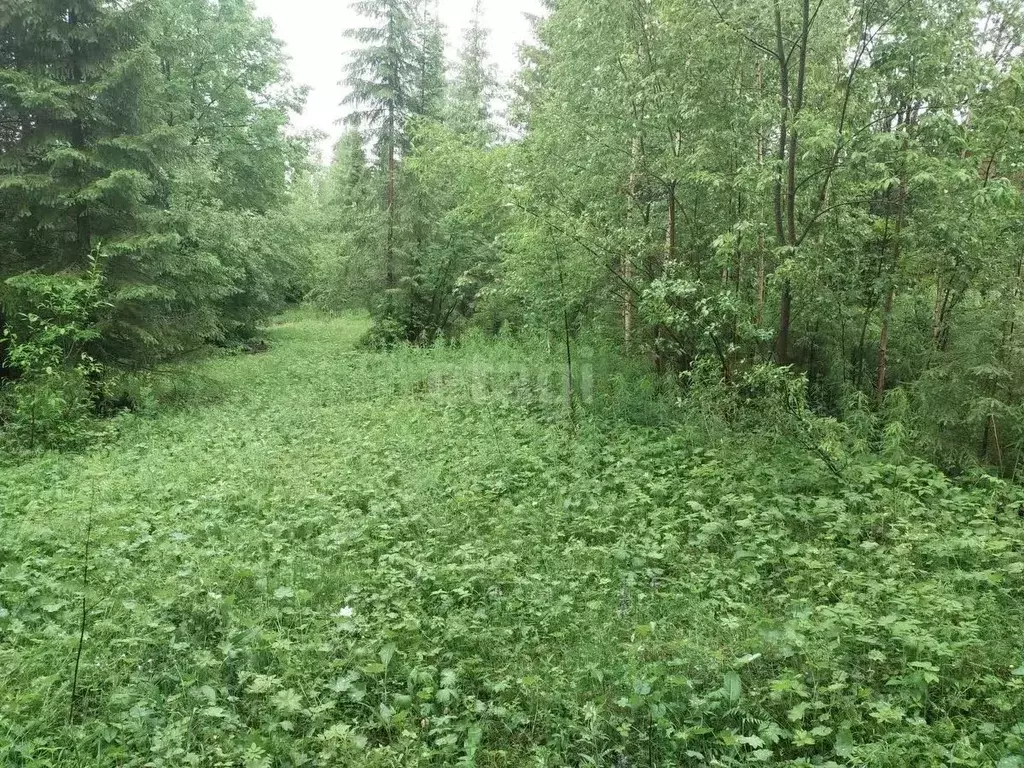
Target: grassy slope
[518,595]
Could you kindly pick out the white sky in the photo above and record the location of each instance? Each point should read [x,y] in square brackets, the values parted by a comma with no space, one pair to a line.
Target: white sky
[312,33]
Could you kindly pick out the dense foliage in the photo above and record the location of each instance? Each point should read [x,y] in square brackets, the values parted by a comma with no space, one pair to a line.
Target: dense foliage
[407,559]
[142,168]
[832,186]
[410,230]
[679,425]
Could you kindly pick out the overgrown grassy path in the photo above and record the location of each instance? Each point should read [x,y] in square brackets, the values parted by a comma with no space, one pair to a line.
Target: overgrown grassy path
[330,557]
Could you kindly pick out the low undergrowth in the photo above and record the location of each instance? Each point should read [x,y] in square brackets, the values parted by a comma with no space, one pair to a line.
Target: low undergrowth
[413,559]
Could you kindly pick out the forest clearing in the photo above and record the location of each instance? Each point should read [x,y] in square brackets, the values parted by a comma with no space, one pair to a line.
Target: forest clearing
[333,557]
[552,383]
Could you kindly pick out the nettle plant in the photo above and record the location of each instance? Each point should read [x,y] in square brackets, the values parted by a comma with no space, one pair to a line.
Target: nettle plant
[47,348]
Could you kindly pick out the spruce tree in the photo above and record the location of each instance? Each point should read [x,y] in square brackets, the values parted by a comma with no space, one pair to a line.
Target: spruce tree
[79,163]
[380,77]
[429,88]
[348,166]
[142,137]
[476,81]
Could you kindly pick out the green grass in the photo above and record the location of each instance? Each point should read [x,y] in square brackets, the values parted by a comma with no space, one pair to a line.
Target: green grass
[329,557]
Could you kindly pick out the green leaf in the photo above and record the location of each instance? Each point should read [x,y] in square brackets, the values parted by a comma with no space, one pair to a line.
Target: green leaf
[751,741]
[844,742]
[796,714]
[287,701]
[732,686]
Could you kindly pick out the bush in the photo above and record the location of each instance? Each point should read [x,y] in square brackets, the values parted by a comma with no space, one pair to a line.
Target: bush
[49,401]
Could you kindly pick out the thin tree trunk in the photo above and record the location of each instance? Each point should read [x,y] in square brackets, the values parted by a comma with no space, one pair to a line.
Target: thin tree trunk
[5,372]
[897,248]
[670,230]
[785,320]
[798,103]
[759,304]
[569,394]
[389,255]
[786,300]
[883,344]
[739,266]
[83,229]
[788,149]
[660,270]
[780,231]
[629,303]
[861,355]
[759,300]
[1011,324]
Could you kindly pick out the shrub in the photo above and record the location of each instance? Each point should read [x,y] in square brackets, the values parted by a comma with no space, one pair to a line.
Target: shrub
[49,400]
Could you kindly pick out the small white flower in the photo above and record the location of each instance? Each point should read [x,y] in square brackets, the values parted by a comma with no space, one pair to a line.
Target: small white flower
[345,612]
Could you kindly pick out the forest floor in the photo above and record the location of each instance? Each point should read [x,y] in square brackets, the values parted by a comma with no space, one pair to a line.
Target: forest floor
[330,557]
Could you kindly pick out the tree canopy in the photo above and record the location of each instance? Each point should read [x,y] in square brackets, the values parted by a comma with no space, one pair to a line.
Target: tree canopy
[143,167]
[830,188]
